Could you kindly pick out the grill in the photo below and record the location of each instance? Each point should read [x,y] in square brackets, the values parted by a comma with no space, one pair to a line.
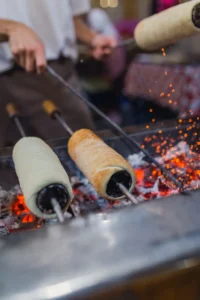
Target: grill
[79,258]
[121,249]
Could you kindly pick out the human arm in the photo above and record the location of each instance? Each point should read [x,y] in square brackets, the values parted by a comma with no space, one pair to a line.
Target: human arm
[100,44]
[25,45]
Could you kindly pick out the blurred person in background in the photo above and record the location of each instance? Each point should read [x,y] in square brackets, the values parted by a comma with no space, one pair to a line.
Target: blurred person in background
[34,34]
[102,80]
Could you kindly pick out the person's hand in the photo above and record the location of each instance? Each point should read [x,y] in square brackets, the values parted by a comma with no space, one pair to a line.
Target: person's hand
[102,45]
[27,48]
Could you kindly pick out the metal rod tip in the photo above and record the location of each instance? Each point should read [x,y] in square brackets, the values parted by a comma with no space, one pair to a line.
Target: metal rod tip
[57,209]
[126,192]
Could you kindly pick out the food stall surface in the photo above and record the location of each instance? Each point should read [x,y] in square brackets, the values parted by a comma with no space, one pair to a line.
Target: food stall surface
[98,251]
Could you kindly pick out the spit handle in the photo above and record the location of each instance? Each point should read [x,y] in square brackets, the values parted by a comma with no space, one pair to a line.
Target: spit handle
[12,110]
[50,108]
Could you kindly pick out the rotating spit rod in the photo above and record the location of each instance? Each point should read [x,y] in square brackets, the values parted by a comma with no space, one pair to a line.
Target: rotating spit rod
[44,198]
[117,128]
[162,29]
[14,116]
[43,180]
[110,174]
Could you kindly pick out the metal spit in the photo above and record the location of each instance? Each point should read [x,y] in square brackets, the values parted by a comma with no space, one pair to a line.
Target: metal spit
[155,32]
[132,141]
[51,109]
[14,116]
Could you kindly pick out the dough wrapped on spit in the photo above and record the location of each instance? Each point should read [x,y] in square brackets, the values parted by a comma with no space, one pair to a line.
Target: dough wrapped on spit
[169,26]
[103,166]
[41,177]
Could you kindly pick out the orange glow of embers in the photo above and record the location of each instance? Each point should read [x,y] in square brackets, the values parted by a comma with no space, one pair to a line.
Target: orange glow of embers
[150,184]
[175,155]
[140,175]
[19,209]
[186,168]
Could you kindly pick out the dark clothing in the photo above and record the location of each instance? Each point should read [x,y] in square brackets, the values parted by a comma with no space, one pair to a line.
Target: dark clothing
[160,5]
[28,91]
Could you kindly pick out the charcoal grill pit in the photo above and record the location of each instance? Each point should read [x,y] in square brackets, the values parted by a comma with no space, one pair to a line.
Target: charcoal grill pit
[79,257]
[172,134]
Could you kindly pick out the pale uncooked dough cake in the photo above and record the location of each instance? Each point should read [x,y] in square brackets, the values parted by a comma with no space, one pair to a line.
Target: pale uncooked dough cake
[37,167]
